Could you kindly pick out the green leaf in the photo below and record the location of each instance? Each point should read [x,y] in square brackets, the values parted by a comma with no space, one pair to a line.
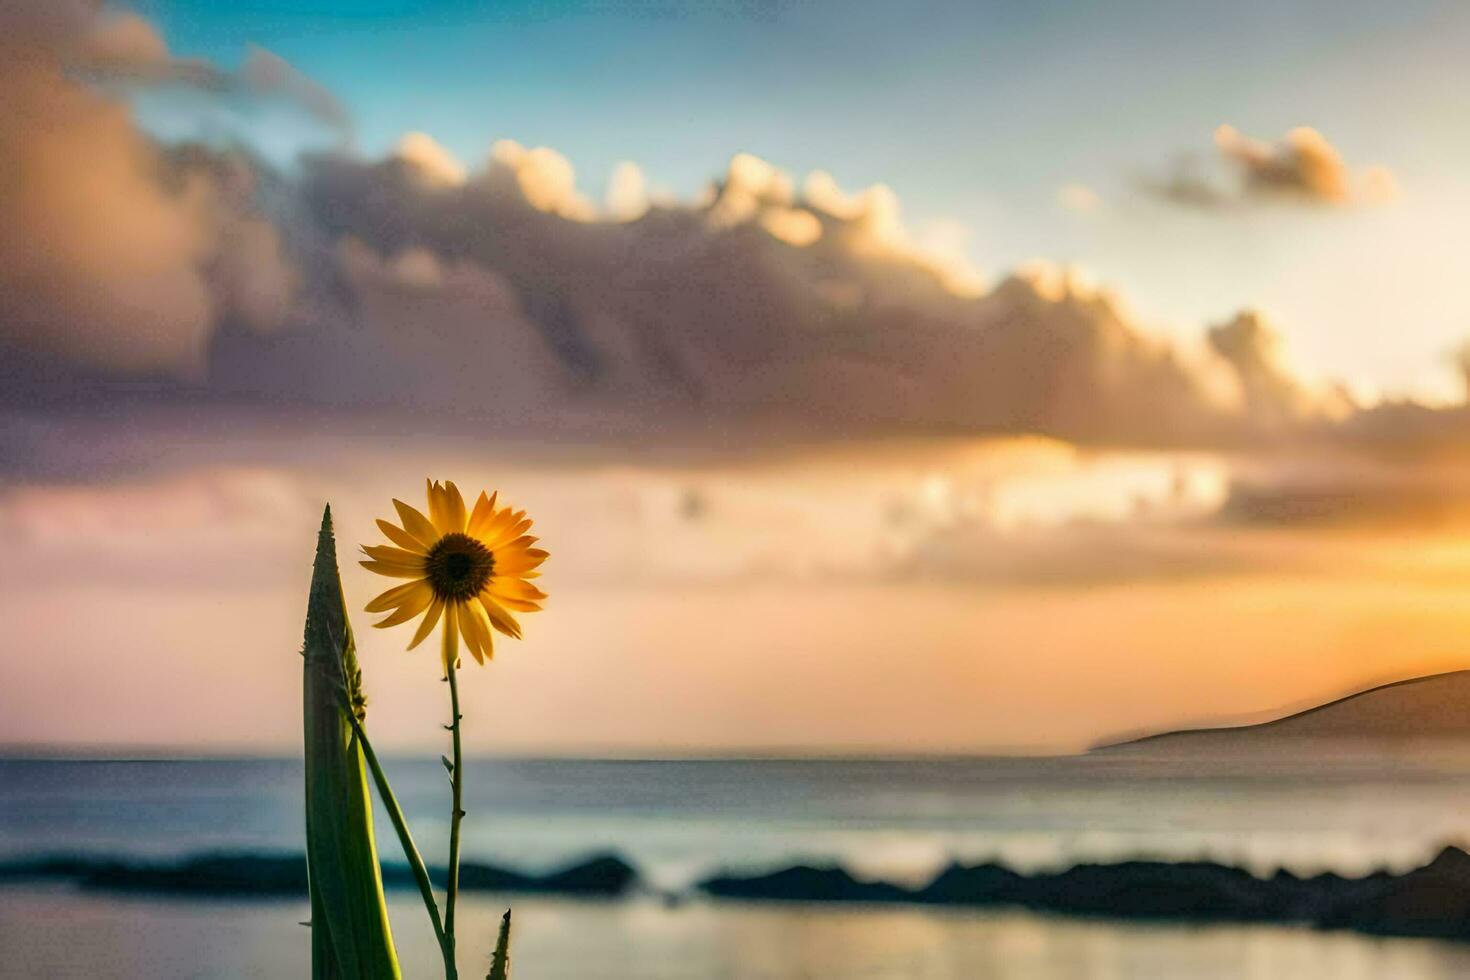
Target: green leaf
[350,935]
[448,766]
[500,959]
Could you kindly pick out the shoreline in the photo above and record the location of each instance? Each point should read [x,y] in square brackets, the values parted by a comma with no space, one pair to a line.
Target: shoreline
[265,876]
[1431,901]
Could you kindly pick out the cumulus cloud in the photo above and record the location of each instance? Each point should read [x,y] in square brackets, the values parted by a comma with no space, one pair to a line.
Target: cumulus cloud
[546,179]
[1302,168]
[813,308]
[121,47]
[98,261]
[425,157]
[1273,394]
[502,290]
[1302,165]
[627,192]
[506,292]
[114,252]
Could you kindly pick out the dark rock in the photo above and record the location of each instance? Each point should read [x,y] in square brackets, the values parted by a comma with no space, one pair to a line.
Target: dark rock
[282,876]
[803,883]
[604,875]
[982,884]
[1430,901]
[214,874]
[1155,890]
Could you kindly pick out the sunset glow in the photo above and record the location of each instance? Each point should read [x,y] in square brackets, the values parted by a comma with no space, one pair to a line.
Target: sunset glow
[979,422]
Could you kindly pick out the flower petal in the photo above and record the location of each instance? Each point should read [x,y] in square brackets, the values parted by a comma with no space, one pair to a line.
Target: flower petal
[499,618]
[514,588]
[394,556]
[484,513]
[393,570]
[502,519]
[394,596]
[401,537]
[427,626]
[476,628]
[455,504]
[439,507]
[511,562]
[518,605]
[513,531]
[416,524]
[415,604]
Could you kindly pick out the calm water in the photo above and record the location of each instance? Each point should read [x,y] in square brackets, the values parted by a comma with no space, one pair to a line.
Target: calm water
[677,821]
[52,933]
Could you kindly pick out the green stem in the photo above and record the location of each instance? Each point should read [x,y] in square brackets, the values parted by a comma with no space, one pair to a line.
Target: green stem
[451,663]
[400,826]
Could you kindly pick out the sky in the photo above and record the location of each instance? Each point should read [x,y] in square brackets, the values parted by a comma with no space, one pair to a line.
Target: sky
[950,378]
[979,116]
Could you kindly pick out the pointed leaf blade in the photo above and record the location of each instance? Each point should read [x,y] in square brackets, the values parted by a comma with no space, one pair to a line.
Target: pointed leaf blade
[350,932]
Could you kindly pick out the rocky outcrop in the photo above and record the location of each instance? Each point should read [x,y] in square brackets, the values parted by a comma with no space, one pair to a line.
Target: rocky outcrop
[1430,901]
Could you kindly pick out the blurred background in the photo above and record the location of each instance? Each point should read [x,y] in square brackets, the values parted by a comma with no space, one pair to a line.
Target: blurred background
[967,382]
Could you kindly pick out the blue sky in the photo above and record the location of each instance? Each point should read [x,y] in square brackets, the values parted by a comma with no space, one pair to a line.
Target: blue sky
[871,595]
[976,114]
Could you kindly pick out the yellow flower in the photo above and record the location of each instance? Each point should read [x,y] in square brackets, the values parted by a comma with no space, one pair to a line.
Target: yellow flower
[471,568]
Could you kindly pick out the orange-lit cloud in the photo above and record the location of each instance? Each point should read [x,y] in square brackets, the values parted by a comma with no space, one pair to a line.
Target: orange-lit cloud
[1303,164]
[503,291]
[813,310]
[932,596]
[1302,167]
[777,406]
[115,252]
[424,156]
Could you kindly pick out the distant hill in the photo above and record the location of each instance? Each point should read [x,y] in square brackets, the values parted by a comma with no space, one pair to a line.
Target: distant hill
[1432,707]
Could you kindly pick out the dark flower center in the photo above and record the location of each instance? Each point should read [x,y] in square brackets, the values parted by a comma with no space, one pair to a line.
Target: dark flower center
[459,567]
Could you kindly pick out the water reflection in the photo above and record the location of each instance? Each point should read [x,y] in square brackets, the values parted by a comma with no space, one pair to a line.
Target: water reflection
[60,932]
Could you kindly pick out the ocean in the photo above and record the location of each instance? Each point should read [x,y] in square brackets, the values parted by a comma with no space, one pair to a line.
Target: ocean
[1348,810]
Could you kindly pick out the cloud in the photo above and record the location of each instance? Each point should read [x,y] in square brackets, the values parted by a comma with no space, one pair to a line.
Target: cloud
[1273,395]
[546,179]
[503,292]
[123,48]
[1300,168]
[1189,182]
[1426,500]
[99,262]
[1078,198]
[807,310]
[1302,165]
[266,74]
[506,292]
[1004,512]
[434,163]
[627,192]
[116,253]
